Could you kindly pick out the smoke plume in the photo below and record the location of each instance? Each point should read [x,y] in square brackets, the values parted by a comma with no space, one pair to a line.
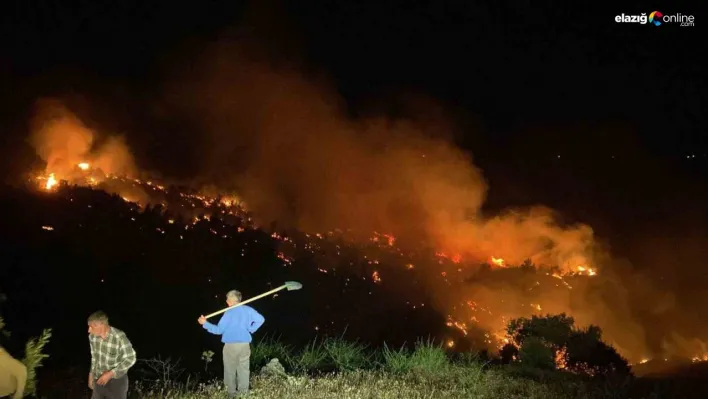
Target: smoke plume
[63,141]
[286,140]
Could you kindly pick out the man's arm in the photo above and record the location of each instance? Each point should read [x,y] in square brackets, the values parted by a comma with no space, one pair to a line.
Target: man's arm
[256,321]
[221,327]
[93,354]
[93,361]
[21,379]
[128,358]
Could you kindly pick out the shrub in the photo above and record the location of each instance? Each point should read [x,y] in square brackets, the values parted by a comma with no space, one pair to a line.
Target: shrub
[312,357]
[268,348]
[160,374]
[589,355]
[580,350]
[428,357]
[396,361]
[555,330]
[34,356]
[346,355]
[537,354]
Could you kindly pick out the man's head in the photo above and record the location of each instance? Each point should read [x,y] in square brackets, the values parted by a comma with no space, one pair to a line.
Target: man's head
[98,324]
[233,297]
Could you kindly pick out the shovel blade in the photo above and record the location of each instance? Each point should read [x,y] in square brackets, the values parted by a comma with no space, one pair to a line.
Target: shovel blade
[292,285]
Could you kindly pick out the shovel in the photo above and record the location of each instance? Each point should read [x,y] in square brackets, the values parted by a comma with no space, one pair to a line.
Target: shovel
[289,285]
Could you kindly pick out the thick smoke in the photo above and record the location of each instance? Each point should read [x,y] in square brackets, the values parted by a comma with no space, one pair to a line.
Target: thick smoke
[63,141]
[287,142]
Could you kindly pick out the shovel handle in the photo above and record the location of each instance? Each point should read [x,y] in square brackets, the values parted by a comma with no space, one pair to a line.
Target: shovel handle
[273,291]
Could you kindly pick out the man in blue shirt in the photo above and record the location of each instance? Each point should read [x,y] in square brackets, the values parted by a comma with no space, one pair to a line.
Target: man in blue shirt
[235,328]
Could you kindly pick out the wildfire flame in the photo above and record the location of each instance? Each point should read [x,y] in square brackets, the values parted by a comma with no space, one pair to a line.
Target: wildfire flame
[375,277]
[700,358]
[560,358]
[498,261]
[51,182]
[586,270]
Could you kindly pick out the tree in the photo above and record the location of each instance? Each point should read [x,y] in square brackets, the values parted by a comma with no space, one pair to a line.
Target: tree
[509,353]
[587,354]
[556,338]
[538,354]
[555,330]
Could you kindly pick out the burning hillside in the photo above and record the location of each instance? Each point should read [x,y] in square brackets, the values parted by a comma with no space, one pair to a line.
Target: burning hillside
[480,299]
[379,257]
[396,191]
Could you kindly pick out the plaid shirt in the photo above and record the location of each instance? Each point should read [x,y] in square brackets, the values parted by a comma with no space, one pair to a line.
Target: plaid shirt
[115,353]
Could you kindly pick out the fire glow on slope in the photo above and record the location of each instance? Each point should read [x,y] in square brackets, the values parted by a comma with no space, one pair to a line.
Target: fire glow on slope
[74,153]
[470,313]
[69,159]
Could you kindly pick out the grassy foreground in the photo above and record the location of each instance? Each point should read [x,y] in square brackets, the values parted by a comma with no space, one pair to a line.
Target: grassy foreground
[427,371]
[456,383]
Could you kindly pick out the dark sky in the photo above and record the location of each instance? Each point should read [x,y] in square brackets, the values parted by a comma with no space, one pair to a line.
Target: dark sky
[525,80]
[526,64]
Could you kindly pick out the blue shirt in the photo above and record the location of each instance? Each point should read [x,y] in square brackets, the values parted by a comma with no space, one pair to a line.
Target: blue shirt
[236,325]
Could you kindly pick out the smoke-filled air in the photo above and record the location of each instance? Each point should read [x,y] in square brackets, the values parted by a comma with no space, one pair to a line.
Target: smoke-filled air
[299,159]
[287,141]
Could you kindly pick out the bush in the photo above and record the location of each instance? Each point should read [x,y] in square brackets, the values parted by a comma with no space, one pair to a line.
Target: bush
[430,358]
[34,356]
[554,330]
[268,348]
[426,358]
[579,350]
[312,357]
[397,361]
[345,355]
[587,354]
[534,352]
[160,374]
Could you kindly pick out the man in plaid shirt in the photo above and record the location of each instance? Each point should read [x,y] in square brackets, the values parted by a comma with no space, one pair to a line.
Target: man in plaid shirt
[112,355]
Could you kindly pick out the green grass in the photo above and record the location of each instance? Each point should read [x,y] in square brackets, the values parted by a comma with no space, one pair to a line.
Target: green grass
[313,357]
[427,358]
[346,355]
[335,368]
[426,371]
[456,382]
[268,348]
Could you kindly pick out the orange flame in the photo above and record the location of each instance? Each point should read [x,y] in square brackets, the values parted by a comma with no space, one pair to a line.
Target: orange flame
[51,182]
[498,261]
[375,277]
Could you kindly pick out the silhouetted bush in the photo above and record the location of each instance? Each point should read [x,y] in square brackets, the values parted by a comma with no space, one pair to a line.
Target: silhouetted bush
[556,337]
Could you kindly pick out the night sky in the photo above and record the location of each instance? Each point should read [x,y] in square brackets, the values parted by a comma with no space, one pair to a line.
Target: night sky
[507,68]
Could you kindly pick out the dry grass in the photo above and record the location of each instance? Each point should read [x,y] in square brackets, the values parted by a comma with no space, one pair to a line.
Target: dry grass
[456,382]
